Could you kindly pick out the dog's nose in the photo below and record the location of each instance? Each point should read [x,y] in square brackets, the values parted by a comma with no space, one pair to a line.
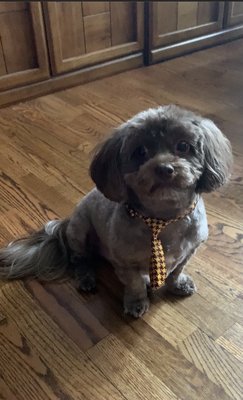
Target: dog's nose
[164,170]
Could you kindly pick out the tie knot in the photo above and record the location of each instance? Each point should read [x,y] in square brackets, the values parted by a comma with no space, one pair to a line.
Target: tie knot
[155,224]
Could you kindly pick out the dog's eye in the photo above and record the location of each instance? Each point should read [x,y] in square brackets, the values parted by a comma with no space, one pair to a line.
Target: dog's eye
[182,147]
[140,153]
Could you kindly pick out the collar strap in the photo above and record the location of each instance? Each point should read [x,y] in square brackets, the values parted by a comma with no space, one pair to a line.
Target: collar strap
[156,221]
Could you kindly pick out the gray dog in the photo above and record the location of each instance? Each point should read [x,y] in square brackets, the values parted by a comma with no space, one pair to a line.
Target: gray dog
[158,163]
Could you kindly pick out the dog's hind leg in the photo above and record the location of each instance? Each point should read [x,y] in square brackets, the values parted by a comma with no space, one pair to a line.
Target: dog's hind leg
[84,272]
[82,265]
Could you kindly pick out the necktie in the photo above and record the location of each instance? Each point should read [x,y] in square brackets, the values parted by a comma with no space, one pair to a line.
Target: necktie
[157,268]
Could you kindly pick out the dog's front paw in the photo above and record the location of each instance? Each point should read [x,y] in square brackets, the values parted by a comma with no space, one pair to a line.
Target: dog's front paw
[182,286]
[136,308]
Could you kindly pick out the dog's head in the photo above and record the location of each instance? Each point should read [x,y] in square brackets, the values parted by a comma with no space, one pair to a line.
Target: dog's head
[162,156]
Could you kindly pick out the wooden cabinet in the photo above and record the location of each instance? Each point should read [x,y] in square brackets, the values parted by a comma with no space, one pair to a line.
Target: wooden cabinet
[234,13]
[51,45]
[23,53]
[86,33]
[180,21]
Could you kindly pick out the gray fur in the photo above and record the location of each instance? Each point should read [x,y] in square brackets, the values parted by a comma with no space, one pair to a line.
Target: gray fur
[42,255]
[100,223]
[217,158]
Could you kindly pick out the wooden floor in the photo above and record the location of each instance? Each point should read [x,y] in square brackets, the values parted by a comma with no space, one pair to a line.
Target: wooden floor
[58,344]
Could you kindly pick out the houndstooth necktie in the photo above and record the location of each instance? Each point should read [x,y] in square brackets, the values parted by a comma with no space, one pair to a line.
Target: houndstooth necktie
[157,269]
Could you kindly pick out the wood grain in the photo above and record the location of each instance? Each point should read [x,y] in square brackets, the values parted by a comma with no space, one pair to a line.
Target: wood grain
[6,6]
[71,79]
[119,365]
[95,7]
[170,323]
[234,13]
[179,21]
[97,32]
[17,41]
[59,371]
[210,358]
[3,70]
[207,12]
[165,17]
[123,14]
[71,29]
[231,341]
[80,33]
[238,8]
[187,14]
[56,343]
[23,46]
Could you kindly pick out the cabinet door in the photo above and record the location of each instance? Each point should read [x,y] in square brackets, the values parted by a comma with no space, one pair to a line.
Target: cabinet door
[86,33]
[177,21]
[234,13]
[23,54]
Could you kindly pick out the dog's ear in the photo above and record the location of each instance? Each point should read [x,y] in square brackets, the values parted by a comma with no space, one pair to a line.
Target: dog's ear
[105,168]
[217,157]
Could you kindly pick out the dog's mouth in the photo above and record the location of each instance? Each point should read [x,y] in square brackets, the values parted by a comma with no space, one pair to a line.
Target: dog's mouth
[160,186]
[177,184]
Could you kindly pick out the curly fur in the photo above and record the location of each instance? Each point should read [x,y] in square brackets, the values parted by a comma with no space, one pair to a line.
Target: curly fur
[141,164]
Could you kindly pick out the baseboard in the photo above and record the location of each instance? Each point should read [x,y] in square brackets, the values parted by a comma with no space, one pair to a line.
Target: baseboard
[71,79]
[192,45]
[122,64]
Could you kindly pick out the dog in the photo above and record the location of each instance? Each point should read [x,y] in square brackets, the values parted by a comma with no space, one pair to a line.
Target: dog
[157,164]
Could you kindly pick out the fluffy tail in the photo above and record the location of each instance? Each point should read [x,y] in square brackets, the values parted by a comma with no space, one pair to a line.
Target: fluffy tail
[42,255]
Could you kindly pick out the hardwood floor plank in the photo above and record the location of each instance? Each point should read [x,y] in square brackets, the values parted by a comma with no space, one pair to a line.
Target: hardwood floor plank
[227,284]
[5,392]
[47,194]
[211,359]
[209,289]
[169,323]
[128,374]
[25,385]
[74,319]
[211,319]
[235,308]
[165,361]
[2,318]
[14,197]
[232,341]
[66,369]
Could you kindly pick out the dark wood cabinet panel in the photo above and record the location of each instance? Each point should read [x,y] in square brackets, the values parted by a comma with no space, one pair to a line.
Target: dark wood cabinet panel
[234,13]
[23,53]
[7,6]
[3,70]
[96,32]
[208,12]
[122,32]
[71,30]
[95,7]
[18,43]
[176,21]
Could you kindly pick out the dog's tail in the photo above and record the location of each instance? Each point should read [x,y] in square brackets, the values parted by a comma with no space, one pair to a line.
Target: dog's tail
[43,255]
